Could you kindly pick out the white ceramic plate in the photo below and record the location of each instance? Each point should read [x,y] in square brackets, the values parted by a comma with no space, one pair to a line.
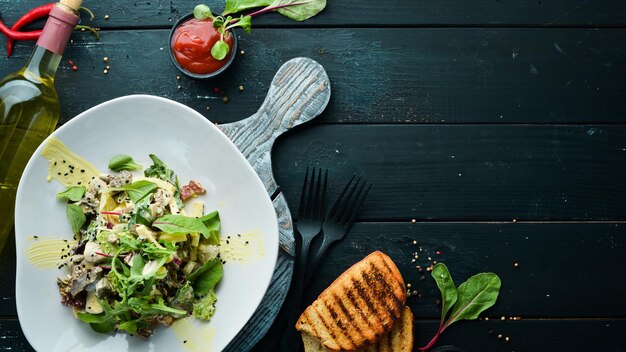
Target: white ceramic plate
[195,149]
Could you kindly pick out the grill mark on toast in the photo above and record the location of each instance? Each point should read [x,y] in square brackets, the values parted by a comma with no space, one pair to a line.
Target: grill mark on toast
[351,321]
[392,273]
[378,274]
[344,332]
[353,300]
[380,297]
[321,319]
[370,306]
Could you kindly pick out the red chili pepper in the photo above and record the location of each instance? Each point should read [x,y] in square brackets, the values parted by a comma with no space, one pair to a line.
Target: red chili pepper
[15,35]
[29,17]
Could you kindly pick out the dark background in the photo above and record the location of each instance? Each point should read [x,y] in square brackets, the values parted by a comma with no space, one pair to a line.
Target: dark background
[496,124]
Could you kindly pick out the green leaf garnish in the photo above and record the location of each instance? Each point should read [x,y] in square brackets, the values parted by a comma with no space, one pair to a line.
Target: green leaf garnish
[473,297]
[72,194]
[219,50]
[202,12]
[138,190]
[76,217]
[179,224]
[123,162]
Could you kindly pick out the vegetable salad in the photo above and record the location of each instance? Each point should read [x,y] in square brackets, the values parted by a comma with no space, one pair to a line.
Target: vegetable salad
[144,256]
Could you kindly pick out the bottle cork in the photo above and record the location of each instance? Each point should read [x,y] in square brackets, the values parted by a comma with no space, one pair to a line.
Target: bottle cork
[71,4]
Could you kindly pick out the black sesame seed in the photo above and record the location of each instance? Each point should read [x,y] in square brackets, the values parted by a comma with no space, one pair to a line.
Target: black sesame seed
[63,161]
[65,174]
[185,341]
[247,242]
[59,173]
[55,163]
[35,237]
[227,242]
[79,183]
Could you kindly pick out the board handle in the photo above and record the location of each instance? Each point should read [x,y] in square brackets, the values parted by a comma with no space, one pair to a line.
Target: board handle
[298,93]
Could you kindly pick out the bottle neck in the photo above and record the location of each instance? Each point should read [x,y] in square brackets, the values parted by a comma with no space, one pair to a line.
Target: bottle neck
[56,33]
[43,63]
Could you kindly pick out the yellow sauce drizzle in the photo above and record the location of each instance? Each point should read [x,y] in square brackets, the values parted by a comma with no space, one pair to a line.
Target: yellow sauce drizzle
[45,253]
[61,158]
[193,335]
[244,248]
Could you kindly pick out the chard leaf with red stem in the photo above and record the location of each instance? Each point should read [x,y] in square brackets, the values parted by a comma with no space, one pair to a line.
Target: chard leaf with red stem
[471,298]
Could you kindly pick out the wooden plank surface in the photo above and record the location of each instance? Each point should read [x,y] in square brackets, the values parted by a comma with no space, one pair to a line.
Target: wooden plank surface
[458,75]
[525,335]
[162,13]
[559,264]
[467,172]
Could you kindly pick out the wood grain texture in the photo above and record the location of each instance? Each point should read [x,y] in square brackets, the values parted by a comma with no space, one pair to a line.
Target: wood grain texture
[163,13]
[467,172]
[431,76]
[525,335]
[298,93]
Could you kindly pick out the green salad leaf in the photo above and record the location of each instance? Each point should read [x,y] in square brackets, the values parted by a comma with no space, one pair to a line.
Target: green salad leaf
[76,217]
[207,276]
[235,6]
[138,190]
[299,10]
[202,12]
[72,194]
[179,224]
[123,162]
[212,222]
[477,294]
[159,170]
[220,49]
[448,290]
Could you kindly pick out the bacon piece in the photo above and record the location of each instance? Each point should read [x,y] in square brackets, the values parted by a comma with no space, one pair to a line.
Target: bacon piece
[191,190]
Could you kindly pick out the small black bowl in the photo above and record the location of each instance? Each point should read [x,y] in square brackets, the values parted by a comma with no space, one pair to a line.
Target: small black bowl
[233,53]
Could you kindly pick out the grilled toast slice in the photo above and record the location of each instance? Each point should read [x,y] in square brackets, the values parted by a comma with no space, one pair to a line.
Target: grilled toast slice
[399,339]
[360,306]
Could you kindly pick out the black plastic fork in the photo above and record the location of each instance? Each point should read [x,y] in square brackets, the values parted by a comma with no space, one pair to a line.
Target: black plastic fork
[340,218]
[310,219]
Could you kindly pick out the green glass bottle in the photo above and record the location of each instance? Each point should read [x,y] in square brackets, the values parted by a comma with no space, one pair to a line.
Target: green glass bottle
[29,106]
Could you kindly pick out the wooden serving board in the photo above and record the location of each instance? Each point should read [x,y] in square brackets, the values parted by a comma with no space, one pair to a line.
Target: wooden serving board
[299,92]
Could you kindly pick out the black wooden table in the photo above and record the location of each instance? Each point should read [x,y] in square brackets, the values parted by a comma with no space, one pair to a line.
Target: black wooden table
[492,130]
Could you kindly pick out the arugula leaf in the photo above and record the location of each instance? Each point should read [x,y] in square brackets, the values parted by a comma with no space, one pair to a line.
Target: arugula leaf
[76,217]
[234,6]
[159,170]
[477,294]
[207,276]
[72,194]
[138,190]
[299,10]
[123,162]
[213,224]
[448,291]
[205,308]
[177,224]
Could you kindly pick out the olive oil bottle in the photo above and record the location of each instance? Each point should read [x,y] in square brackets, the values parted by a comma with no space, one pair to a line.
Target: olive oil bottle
[29,106]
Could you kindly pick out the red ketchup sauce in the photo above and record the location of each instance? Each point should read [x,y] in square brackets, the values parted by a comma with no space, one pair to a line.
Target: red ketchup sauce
[192,42]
